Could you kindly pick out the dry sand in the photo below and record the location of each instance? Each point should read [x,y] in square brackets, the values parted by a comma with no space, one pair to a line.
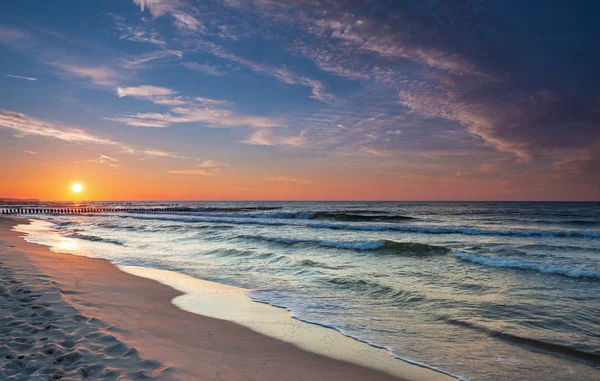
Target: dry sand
[68,317]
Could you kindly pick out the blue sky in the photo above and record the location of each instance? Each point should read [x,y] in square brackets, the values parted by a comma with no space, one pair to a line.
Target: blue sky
[448,100]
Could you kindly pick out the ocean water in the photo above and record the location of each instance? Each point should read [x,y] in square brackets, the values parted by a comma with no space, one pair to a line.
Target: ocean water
[484,291]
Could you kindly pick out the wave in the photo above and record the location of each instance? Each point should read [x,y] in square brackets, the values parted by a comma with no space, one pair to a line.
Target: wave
[271,258]
[424,229]
[526,265]
[570,222]
[95,238]
[389,350]
[351,217]
[388,245]
[559,248]
[357,216]
[466,230]
[376,290]
[537,344]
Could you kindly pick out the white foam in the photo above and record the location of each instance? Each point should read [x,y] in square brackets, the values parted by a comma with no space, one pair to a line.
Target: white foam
[352,245]
[233,304]
[526,265]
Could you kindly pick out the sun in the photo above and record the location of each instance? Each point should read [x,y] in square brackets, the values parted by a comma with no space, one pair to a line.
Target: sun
[77,188]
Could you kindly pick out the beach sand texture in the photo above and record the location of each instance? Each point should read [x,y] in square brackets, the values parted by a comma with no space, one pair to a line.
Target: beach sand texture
[69,317]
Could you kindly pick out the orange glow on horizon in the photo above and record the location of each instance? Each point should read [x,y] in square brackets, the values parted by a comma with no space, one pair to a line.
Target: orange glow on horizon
[53,179]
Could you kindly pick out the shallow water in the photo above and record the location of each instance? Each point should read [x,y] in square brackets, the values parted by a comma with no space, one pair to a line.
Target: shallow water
[486,291]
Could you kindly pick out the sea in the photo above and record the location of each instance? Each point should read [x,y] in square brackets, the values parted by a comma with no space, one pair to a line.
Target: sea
[479,290]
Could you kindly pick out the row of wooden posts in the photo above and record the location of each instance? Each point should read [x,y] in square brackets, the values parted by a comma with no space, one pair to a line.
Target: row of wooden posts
[113,210]
[86,210]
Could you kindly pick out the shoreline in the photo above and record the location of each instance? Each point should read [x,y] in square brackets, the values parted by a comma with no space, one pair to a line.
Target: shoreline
[143,314]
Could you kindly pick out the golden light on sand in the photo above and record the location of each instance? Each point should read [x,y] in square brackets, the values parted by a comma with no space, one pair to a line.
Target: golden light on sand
[77,188]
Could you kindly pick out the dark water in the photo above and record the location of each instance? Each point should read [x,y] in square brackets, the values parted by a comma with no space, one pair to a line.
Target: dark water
[486,291]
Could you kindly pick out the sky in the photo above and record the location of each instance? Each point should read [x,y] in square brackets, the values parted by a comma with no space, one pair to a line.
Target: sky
[300,100]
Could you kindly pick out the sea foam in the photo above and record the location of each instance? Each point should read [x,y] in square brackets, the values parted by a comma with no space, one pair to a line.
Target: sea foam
[526,265]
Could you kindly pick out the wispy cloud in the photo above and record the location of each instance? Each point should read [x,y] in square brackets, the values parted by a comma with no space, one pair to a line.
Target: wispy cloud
[10,35]
[137,122]
[270,138]
[145,91]
[212,112]
[372,151]
[26,126]
[281,74]
[212,102]
[212,118]
[143,60]
[206,68]
[178,10]
[19,77]
[206,168]
[31,152]
[100,75]
[104,159]
[185,21]
[157,7]
[137,33]
[287,179]
[581,160]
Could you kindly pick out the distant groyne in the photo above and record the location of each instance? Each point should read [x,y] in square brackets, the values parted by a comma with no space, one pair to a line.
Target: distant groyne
[92,210]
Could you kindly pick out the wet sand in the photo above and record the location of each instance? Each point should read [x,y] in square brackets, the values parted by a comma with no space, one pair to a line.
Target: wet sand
[71,317]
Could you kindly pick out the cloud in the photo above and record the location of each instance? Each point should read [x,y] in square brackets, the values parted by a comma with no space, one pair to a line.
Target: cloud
[206,68]
[211,102]
[185,21]
[213,117]
[155,94]
[134,122]
[104,159]
[206,168]
[475,66]
[26,126]
[156,7]
[281,74]
[100,75]
[584,160]
[10,35]
[141,61]
[136,33]
[19,77]
[31,152]
[389,30]
[212,112]
[145,91]
[270,138]
[201,172]
[178,10]
[372,151]
[212,164]
[287,179]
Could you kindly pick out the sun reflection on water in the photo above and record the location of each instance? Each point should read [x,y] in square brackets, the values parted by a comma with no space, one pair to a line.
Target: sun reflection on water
[67,245]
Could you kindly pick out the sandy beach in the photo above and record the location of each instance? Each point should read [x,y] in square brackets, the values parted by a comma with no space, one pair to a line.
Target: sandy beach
[72,317]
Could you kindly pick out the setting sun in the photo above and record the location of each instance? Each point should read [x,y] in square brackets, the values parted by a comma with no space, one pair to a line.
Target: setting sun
[77,188]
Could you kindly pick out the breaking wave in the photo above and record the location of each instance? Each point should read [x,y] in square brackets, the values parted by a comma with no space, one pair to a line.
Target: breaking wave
[387,245]
[424,229]
[95,238]
[526,265]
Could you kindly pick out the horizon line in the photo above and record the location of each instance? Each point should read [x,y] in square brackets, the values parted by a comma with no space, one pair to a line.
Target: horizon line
[291,200]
